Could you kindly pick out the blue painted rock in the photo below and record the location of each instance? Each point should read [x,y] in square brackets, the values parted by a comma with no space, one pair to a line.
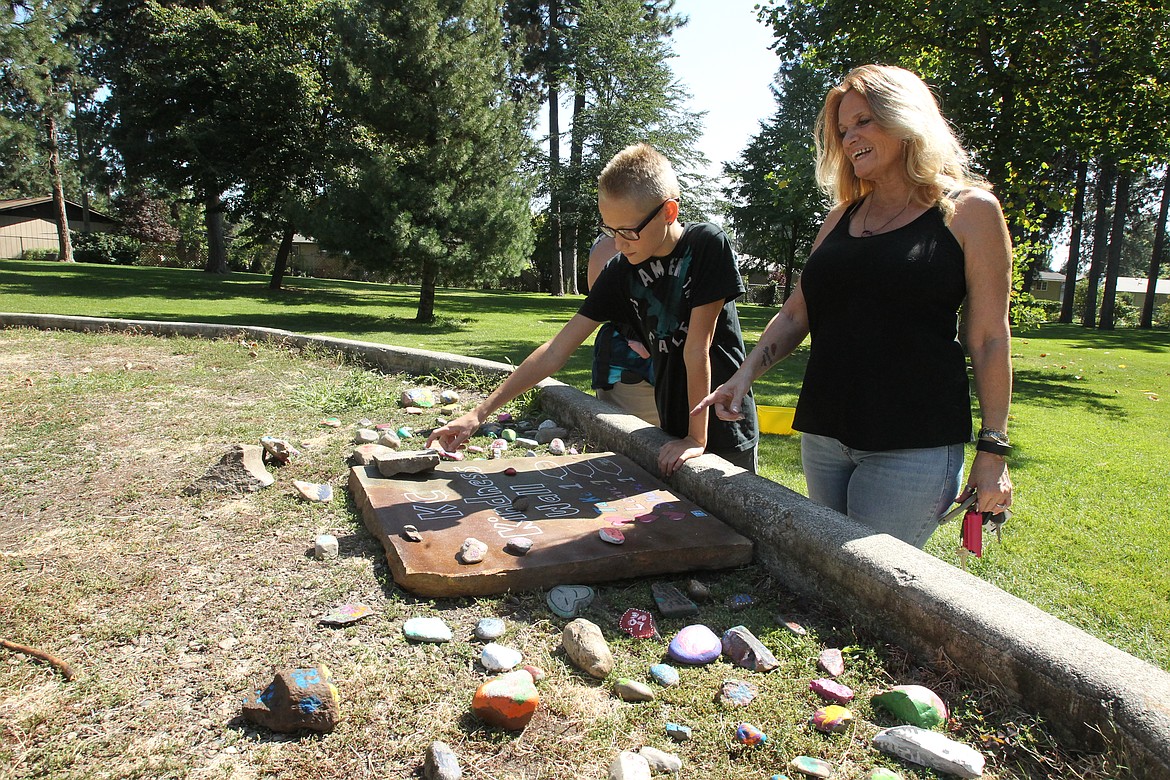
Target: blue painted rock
[831,662]
[331,422]
[417,396]
[913,704]
[678,732]
[747,734]
[832,719]
[632,690]
[695,644]
[296,699]
[569,601]
[931,749]
[449,397]
[499,658]
[585,646]
[740,602]
[441,763]
[742,648]
[831,690]
[778,777]
[736,693]
[507,702]
[423,629]
[489,628]
[665,675]
[311,491]
[813,767]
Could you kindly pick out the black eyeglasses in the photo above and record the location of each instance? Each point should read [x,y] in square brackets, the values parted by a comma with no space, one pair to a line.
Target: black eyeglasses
[632,234]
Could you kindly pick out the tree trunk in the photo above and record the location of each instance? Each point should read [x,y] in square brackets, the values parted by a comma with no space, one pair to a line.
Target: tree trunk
[554,145]
[216,245]
[281,264]
[1104,187]
[64,244]
[1116,239]
[426,298]
[574,221]
[1074,245]
[1156,255]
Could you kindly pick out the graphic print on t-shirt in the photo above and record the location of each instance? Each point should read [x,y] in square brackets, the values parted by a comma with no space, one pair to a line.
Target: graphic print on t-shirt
[660,292]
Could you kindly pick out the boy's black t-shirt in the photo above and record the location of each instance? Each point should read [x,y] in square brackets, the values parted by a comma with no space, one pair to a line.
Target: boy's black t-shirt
[655,298]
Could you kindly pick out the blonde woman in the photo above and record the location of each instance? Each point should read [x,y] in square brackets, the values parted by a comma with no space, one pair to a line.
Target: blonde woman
[885,407]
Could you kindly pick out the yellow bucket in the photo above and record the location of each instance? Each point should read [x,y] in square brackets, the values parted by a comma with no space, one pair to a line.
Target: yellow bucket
[775,419]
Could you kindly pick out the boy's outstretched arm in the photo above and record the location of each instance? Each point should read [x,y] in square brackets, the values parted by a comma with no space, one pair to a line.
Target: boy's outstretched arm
[697,357]
[544,361]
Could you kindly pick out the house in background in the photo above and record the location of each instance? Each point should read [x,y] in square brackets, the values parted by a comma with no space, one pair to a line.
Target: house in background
[1048,286]
[30,223]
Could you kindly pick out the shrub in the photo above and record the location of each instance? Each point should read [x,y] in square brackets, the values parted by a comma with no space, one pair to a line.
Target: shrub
[106,248]
[39,254]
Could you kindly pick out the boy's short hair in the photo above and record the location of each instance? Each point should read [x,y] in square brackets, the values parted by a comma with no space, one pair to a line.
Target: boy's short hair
[639,172]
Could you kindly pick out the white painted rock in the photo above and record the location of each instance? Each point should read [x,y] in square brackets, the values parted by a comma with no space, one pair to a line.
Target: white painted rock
[500,658]
[325,546]
[931,749]
[629,766]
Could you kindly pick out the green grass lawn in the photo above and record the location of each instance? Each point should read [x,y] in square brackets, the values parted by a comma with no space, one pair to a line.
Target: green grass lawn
[1089,541]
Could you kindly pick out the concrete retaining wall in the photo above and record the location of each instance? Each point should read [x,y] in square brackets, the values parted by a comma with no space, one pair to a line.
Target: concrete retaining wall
[1089,692]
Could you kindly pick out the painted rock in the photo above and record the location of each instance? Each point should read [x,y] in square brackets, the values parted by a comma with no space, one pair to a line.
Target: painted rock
[489,628]
[778,777]
[791,624]
[612,535]
[311,491]
[346,614]
[449,397]
[881,773]
[510,471]
[499,658]
[747,734]
[586,647]
[471,551]
[736,693]
[831,662]
[638,623]
[537,673]
[740,602]
[507,702]
[930,749]
[331,422]
[296,699]
[665,675]
[556,447]
[278,450]
[742,648]
[417,396]
[325,546]
[450,455]
[629,766]
[365,436]
[441,763]
[671,602]
[569,601]
[695,644]
[508,435]
[913,704]
[411,533]
[632,690]
[499,445]
[661,762]
[678,732]
[504,417]
[518,545]
[831,690]
[427,629]
[405,432]
[832,719]
[813,767]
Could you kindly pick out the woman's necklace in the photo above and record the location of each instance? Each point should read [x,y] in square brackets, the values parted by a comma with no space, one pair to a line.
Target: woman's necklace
[879,228]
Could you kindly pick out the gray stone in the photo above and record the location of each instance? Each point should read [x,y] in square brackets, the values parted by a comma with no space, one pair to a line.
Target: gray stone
[832,662]
[586,647]
[629,766]
[412,462]
[931,749]
[240,470]
[489,628]
[472,551]
[365,436]
[325,546]
[518,545]
[411,533]
[699,592]
[632,690]
[660,761]
[366,454]
[524,441]
[441,763]
[278,450]
[546,435]
[390,440]
[743,649]
[671,602]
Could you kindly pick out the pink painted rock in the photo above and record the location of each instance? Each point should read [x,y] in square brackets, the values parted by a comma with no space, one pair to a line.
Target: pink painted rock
[508,701]
[747,734]
[295,700]
[695,644]
[832,719]
[612,535]
[913,704]
[831,690]
[831,662]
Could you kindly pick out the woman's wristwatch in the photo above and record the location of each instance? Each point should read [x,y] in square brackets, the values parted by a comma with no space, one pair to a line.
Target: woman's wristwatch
[993,441]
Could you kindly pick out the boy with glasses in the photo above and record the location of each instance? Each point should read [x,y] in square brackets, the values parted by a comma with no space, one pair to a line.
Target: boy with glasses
[675,285]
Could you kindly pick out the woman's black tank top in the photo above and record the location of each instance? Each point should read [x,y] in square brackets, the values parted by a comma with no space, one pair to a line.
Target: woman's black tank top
[886,370]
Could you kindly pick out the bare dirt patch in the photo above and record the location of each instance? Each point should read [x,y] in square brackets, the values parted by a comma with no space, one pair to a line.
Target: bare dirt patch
[172,608]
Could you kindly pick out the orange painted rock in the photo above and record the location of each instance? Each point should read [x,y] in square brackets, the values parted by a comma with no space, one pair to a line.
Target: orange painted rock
[507,701]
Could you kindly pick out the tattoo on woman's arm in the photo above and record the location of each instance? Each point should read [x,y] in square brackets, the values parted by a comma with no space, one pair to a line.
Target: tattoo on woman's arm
[768,356]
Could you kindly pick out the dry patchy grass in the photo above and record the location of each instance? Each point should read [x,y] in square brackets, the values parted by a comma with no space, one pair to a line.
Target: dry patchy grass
[172,608]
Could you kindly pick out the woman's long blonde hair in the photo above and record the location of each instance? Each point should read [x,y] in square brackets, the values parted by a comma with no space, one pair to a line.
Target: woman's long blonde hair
[902,105]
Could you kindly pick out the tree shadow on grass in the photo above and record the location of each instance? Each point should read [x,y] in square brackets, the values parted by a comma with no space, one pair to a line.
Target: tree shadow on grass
[1155,340]
[1043,389]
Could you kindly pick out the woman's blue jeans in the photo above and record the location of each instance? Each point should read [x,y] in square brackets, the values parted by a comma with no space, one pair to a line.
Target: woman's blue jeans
[897,492]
